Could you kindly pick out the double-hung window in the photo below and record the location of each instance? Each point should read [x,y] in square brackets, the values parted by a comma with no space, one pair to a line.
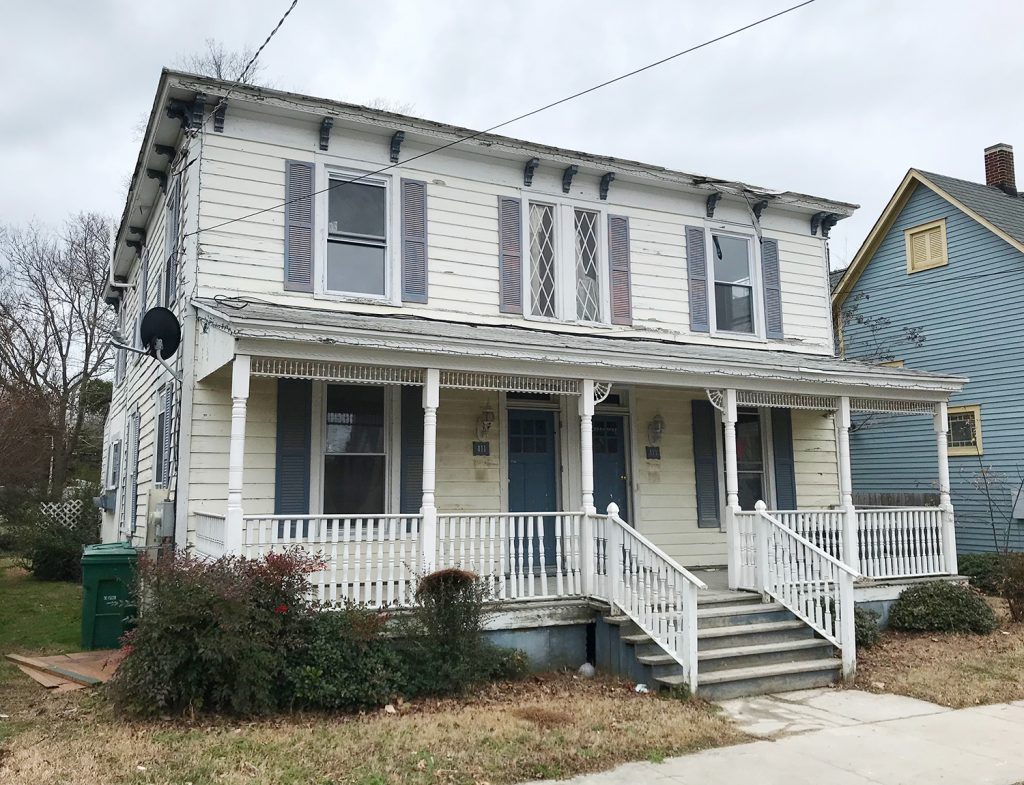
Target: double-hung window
[732,266]
[357,237]
[114,464]
[565,262]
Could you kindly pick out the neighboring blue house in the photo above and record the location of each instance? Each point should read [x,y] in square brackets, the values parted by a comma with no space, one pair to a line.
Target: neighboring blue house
[938,285]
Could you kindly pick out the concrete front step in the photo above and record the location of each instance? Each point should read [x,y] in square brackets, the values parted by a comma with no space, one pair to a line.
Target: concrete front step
[733,636]
[739,657]
[747,613]
[764,679]
[707,599]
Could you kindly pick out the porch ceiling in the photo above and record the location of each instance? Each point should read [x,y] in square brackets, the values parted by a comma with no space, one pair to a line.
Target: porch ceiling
[271,330]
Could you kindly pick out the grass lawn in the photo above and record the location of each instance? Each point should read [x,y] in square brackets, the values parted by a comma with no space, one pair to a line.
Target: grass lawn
[552,725]
[952,670]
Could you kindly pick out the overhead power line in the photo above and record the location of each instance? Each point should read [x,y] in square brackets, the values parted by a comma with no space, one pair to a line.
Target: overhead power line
[517,118]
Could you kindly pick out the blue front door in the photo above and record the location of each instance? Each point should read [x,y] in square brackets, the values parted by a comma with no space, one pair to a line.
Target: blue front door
[611,483]
[533,470]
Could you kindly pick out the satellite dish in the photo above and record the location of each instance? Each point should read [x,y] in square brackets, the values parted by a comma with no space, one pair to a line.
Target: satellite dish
[160,324]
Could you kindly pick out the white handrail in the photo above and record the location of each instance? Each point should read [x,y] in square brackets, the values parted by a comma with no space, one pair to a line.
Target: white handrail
[613,514]
[762,510]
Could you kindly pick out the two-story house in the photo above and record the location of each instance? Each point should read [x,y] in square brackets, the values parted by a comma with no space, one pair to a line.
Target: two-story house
[409,345]
[942,265]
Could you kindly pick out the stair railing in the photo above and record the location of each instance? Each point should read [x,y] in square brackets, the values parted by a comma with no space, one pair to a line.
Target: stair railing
[654,591]
[815,586]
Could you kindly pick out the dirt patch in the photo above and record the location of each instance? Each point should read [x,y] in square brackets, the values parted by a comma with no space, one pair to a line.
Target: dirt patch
[952,670]
[553,725]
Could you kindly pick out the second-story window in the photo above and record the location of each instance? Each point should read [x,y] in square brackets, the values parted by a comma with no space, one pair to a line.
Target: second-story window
[732,267]
[357,243]
[564,262]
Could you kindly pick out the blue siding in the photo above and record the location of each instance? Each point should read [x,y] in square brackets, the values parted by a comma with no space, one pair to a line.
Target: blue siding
[973,321]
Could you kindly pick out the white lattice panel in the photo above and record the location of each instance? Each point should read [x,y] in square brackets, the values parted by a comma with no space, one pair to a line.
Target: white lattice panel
[472,380]
[335,372]
[787,400]
[883,406]
[64,513]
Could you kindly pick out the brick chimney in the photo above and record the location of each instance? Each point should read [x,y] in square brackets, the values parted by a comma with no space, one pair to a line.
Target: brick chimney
[999,168]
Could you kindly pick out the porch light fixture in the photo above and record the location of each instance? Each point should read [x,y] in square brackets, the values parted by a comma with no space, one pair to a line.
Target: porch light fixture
[656,429]
[484,422]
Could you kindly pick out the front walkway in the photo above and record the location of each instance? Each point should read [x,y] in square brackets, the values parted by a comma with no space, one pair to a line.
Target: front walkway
[848,737]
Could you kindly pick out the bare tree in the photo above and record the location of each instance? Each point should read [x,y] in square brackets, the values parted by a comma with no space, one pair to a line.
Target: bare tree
[875,341]
[220,63]
[54,325]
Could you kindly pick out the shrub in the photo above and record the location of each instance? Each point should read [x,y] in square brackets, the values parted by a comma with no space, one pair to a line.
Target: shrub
[1013,584]
[52,549]
[866,628]
[940,606]
[985,571]
[214,635]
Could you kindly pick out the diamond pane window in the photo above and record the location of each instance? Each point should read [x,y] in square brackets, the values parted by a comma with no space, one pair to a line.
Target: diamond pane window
[587,290]
[964,434]
[542,259]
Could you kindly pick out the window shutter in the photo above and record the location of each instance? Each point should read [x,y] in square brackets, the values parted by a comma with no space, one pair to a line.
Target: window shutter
[705,464]
[411,491]
[772,283]
[298,226]
[785,467]
[133,499]
[143,297]
[510,254]
[697,278]
[618,263]
[414,241]
[168,430]
[172,220]
[294,420]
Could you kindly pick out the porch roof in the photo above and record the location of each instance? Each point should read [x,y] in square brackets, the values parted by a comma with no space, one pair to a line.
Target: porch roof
[258,327]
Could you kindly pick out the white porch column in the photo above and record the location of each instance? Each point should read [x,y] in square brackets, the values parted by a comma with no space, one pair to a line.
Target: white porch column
[428,528]
[588,567]
[233,525]
[851,545]
[945,503]
[732,486]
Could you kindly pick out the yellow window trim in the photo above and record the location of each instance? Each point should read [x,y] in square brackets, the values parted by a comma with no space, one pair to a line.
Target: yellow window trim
[892,364]
[935,260]
[976,411]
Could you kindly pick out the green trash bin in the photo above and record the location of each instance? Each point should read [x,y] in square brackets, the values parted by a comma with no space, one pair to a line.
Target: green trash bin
[108,576]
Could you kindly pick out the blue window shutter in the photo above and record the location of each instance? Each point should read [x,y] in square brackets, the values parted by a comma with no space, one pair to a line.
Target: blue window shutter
[705,464]
[411,491]
[697,279]
[785,468]
[294,421]
[298,226]
[510,254]
[618,263]
[772,284]
[414,241]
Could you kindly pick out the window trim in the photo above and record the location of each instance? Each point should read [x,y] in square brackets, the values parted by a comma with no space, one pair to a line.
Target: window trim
[767,451]
[757,288]
[113,478]
[323,175]
[964,450]
[565,261]
[909,234]
[161,456]
[892,364]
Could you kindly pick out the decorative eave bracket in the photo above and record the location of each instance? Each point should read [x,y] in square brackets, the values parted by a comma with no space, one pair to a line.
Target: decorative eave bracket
[165,150]
[325,132]
[159,176]
[189,114]
[396,145]
[567,175]
[824,221]
[528,170]
[140,232]
[606,181]
[758,208]
[218,116]
[712,203]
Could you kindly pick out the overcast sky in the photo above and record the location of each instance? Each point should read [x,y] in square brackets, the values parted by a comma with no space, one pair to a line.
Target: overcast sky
[837,99]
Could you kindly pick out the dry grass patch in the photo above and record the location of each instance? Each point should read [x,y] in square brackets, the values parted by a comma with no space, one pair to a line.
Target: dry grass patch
[548,726]
[952,670]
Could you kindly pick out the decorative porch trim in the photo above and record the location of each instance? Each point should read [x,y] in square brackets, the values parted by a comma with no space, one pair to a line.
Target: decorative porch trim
[787,400]
[885,406]
[335,372]
[474,380]
[717,399]
[601,391]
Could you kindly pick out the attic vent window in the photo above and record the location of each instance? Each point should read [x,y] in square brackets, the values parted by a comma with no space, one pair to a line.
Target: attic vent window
[926,246]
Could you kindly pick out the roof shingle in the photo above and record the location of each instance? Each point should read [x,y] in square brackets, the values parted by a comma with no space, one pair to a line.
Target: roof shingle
[993,204]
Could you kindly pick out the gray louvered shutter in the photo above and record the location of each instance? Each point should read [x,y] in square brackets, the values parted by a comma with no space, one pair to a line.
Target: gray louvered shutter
[143,297]
[298,226]
[294,420]
[168,431]
[772,283]
[782,454]
[414,241]
[411,491]
[133,499]
[510,254]
[172,221]
[697,279]
[705,464]
[618,262]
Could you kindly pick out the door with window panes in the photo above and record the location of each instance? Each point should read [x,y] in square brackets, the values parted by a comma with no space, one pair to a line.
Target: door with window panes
[751,466]
[355,455]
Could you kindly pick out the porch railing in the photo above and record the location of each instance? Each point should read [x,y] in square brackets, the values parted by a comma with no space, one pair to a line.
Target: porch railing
[901,542]
[210,534]
[368,559]
[822,527]
[653,590]
[521,555]
[812,584]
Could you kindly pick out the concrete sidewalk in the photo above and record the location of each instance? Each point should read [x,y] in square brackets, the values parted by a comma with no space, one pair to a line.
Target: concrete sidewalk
[848,737]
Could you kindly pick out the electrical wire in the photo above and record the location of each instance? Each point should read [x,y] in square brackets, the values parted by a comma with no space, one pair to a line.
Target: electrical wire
[523,116]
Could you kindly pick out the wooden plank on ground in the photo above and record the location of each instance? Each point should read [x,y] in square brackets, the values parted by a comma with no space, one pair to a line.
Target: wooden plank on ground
[48,680]
[54,669]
